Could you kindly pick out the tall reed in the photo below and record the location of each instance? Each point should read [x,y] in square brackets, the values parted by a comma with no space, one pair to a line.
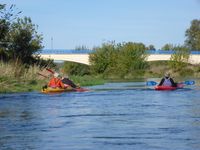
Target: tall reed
[18,71]
[16,77]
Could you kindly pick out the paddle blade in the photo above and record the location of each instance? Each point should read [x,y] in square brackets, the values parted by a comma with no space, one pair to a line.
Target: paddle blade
[189,82]
[151,83]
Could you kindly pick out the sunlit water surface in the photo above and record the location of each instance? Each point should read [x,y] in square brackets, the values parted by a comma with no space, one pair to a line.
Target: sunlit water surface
[109,117]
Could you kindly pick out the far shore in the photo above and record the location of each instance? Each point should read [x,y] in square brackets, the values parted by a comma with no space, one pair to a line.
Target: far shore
[27,83]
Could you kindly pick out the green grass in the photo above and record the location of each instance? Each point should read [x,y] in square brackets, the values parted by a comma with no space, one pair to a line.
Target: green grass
[13,85]
[15,78]
[10,85]
[158,68]
[88,80]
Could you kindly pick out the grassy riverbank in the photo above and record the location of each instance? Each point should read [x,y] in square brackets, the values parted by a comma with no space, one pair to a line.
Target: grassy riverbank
[15,78]
[158,68]
[10,85]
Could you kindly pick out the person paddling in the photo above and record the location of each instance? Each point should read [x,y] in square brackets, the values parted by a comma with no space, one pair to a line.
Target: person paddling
[167,81]
[67,82]
[55,82]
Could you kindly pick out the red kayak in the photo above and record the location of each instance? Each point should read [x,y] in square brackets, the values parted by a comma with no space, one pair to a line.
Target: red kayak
[161,88]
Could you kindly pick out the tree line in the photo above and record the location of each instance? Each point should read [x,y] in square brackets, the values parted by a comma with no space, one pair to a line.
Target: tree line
[126,59]
[20,42]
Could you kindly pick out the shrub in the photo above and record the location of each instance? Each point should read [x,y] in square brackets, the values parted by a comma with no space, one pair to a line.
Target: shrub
[118,59]
[72,68]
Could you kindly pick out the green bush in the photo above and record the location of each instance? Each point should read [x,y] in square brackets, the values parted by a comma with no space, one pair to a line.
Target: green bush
[104,58]
[72,68]
[186,72]
[179,59]
[118,60]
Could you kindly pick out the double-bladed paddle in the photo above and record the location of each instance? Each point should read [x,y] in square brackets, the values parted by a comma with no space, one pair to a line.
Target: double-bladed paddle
[153,83]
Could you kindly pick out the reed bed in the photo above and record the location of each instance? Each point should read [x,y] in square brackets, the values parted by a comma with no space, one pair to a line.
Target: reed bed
[16,77]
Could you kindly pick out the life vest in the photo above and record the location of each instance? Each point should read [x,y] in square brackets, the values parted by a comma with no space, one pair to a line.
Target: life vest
[55,82]
[167,82]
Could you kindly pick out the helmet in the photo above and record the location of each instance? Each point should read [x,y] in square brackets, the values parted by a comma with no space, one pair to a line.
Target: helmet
[167,74]
[56,74]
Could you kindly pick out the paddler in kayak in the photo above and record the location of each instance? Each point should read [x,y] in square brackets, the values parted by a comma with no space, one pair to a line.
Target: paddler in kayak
[67,82]
[55,82]
[167,81]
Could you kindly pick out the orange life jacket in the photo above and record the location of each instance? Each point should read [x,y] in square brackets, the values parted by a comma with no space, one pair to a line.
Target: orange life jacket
[55,82]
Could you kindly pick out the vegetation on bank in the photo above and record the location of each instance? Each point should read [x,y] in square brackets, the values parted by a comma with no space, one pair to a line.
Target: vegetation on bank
[20,62]
[119,59]
[17,78]
[158,68]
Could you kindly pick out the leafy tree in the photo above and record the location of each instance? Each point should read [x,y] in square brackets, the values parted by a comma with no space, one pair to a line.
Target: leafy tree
[82,47]
[168,47]
[103,58]
[4,24]
[151,47]
[180,58]
[193,35]
[118,59]
[180,47]
[132,57]
[19,39]
[24,40]
[7,15]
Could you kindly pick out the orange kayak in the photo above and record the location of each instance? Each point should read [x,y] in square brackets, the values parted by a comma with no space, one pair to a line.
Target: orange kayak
[60,90]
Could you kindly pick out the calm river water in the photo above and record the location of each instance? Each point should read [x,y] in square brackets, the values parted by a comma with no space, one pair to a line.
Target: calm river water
[114,116]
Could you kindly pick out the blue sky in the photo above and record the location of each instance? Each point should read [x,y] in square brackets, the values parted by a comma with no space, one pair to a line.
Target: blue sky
[73,23]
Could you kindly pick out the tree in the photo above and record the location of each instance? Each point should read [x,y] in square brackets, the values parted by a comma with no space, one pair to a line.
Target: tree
[19,39]
[118,59]
[7,15]
[180,58]
[167,47]
[193,35]
[4,29]
[151,47]
[24,40]
[132,57]
[81,47]
[103,58]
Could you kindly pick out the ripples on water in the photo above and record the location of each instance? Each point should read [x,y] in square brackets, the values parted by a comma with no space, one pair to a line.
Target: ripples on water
[111,116]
